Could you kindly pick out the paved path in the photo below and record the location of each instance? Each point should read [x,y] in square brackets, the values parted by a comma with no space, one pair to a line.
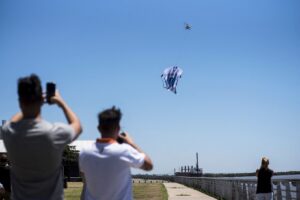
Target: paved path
[177,191]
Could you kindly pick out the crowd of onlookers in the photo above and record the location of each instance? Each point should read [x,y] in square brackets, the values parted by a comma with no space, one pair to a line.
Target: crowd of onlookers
[35,146]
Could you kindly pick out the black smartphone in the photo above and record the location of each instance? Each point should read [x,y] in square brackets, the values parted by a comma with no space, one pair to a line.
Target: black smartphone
[120,140]
[50,91]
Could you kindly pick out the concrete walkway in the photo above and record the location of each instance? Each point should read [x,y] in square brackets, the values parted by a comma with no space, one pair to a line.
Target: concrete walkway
[177,191]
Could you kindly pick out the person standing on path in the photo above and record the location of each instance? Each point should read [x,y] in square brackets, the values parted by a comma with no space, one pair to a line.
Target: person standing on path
[264,190]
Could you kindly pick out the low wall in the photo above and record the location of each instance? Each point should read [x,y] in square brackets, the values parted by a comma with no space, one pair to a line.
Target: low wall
[149,181]
[240,189]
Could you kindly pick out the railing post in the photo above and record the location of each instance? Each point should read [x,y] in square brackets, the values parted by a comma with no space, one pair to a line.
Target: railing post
[235,190]
[297,185]
[238,190]
[201,184]
[232,190]
[253,191]
[244,190]
[287,190]
[279,193]
[241,191]
[198,183]
[228,190]
[214,187]
[211,186]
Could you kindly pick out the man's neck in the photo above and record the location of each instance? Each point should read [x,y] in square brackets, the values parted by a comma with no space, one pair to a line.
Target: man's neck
[31,116]
[109,136]
[106,140]
[31,113]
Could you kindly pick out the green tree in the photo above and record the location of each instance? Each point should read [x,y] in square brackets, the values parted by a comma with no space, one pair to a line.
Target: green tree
[70,154]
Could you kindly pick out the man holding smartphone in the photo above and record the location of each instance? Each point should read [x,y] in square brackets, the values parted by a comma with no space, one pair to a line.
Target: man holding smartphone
[34,145]
[105,165]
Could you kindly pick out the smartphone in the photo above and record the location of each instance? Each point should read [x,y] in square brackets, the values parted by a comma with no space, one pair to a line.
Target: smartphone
[50,91]
[120,140]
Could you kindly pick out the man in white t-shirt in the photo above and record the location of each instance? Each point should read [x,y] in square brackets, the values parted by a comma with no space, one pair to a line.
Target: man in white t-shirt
[105,165]
[35,146]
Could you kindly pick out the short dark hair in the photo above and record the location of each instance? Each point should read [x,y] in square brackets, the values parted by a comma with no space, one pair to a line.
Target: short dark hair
[30,90]
[109,119]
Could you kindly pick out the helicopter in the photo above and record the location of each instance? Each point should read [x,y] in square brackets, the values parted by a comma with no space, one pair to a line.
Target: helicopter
[187,26]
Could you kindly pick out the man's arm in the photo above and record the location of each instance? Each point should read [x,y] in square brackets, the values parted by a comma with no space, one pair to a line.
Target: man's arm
[71,117]
[148,165]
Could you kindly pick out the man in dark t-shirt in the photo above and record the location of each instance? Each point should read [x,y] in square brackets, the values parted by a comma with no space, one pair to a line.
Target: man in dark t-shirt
[264,190]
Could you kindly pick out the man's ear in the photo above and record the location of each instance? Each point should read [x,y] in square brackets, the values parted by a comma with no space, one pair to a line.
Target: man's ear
[21,105]
[99,128]
[118,128]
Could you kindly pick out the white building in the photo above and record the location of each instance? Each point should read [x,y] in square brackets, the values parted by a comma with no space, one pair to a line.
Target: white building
[80,144]
[2,147]
[3,121]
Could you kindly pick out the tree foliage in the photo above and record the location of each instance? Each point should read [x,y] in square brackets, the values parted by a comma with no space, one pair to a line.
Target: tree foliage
[70,155]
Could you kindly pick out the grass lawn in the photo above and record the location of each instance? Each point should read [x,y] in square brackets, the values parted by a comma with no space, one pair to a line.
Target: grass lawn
[154,191]
[73,191]
[141,191]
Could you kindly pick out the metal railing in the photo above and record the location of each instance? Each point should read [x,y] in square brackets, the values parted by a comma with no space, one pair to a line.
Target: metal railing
[240,189]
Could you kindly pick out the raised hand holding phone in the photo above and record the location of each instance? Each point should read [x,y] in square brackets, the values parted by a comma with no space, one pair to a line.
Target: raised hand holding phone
[50,91]
[120,140]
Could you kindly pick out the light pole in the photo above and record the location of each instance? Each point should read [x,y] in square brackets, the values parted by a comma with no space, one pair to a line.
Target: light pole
[197,164]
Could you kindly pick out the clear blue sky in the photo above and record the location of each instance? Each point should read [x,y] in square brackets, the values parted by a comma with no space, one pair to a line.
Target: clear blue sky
[239,97]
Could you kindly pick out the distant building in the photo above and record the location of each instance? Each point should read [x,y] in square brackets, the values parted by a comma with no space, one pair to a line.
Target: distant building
[3,121]
[81,144]
[2,148]
[190,170]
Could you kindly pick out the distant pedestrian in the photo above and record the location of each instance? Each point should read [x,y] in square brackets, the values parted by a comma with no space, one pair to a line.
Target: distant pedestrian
[35,146]
[105,165]
[264,190]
